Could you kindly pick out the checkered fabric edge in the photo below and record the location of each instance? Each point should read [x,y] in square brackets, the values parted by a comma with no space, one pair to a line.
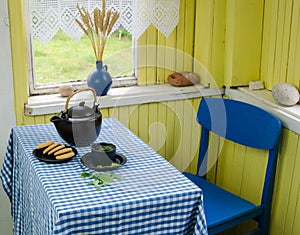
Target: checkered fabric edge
[6,176]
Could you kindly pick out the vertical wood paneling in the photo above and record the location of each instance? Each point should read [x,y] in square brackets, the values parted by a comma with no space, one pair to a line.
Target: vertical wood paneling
[223,175]
[252,185]
[267,51]
[272,39]
[282,40]
[104,113]
[291,222]
[294,50]
[237,169]
[39,119]
[28,120]
[296,227]
[209,43]
[124,115]
[170,54]
[151,55]
[19,58]
[161,58]
[218,44]
[203,38]
[177,135]
[152,127]
[143,122]
[203,31]
[243,41]
[186,135]
[280,63]
[180,38]
[189,29]
[142,59]
[134,119]
[170,127]
[161,130]
[195,137]
[290,142]
[213,153]
[279,41]
[280,49]
[114,112]
[229,38]
[286,40]
[47,118]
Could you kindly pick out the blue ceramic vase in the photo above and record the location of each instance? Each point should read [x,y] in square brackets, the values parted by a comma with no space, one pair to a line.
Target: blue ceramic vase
[99,79]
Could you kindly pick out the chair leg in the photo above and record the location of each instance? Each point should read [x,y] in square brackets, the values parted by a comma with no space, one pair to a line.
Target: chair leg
[263,225]
[264,230]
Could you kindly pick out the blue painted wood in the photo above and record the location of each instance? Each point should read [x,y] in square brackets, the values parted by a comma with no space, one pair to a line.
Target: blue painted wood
[247,125]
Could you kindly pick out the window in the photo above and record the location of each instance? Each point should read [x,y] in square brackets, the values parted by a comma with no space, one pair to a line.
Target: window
[64,60]
[58,52]
[59,59]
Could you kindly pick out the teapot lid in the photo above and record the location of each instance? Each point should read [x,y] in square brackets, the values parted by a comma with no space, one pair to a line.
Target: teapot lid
[80,111]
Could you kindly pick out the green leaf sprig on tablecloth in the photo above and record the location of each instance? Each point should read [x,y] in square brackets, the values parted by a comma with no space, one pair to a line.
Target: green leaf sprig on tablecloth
[101,179]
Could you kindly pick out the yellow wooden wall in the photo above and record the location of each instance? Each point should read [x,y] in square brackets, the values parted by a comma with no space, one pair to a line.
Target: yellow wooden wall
[278,61]
[286,206]
[281,43]
[237,41]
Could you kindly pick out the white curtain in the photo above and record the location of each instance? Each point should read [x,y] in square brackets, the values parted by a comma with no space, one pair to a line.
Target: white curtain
[49,16]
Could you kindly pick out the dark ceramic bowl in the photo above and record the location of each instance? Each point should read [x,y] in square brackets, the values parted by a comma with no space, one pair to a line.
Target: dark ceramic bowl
[103,152]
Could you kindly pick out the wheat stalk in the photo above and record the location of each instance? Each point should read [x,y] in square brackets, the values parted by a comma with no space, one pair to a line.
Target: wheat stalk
[113,21]
[98,29]
[107,19]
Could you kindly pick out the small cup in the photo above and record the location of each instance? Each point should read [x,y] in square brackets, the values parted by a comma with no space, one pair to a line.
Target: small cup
[103,153]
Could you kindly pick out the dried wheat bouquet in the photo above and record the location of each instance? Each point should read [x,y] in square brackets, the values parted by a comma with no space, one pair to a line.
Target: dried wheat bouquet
[99,28]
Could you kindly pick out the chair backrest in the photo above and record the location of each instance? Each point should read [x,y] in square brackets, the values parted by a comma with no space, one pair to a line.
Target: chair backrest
[244,124]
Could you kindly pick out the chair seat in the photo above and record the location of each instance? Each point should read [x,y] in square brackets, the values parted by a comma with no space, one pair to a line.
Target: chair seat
[217,212]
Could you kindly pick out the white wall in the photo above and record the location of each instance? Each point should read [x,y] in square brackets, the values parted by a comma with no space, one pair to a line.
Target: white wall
[7,117]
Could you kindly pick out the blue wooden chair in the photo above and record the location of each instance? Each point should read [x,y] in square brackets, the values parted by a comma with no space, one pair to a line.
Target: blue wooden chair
[247,125]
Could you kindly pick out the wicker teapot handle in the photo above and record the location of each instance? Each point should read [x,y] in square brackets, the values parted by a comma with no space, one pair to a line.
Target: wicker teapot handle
[78,91]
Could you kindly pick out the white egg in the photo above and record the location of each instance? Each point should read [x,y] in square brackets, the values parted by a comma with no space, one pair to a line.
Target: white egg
[285,94]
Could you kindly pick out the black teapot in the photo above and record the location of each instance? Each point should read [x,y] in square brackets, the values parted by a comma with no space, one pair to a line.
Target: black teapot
[79,125]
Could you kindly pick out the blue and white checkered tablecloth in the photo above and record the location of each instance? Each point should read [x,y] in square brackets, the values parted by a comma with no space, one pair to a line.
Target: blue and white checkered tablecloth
[152,198]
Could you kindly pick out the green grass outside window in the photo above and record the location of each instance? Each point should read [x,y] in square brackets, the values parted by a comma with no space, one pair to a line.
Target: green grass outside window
[63,59]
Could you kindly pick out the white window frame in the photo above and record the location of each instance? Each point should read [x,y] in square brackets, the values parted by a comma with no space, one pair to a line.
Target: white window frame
[35,89]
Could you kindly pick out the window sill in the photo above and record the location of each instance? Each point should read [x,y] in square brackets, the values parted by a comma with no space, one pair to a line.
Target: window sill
[289,116]
[50,104]
[52,89]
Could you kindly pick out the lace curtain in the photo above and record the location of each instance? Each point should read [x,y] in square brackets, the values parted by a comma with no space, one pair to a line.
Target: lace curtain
[49,16]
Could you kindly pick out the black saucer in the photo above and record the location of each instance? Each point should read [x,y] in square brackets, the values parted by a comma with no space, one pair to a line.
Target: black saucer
[93,164]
